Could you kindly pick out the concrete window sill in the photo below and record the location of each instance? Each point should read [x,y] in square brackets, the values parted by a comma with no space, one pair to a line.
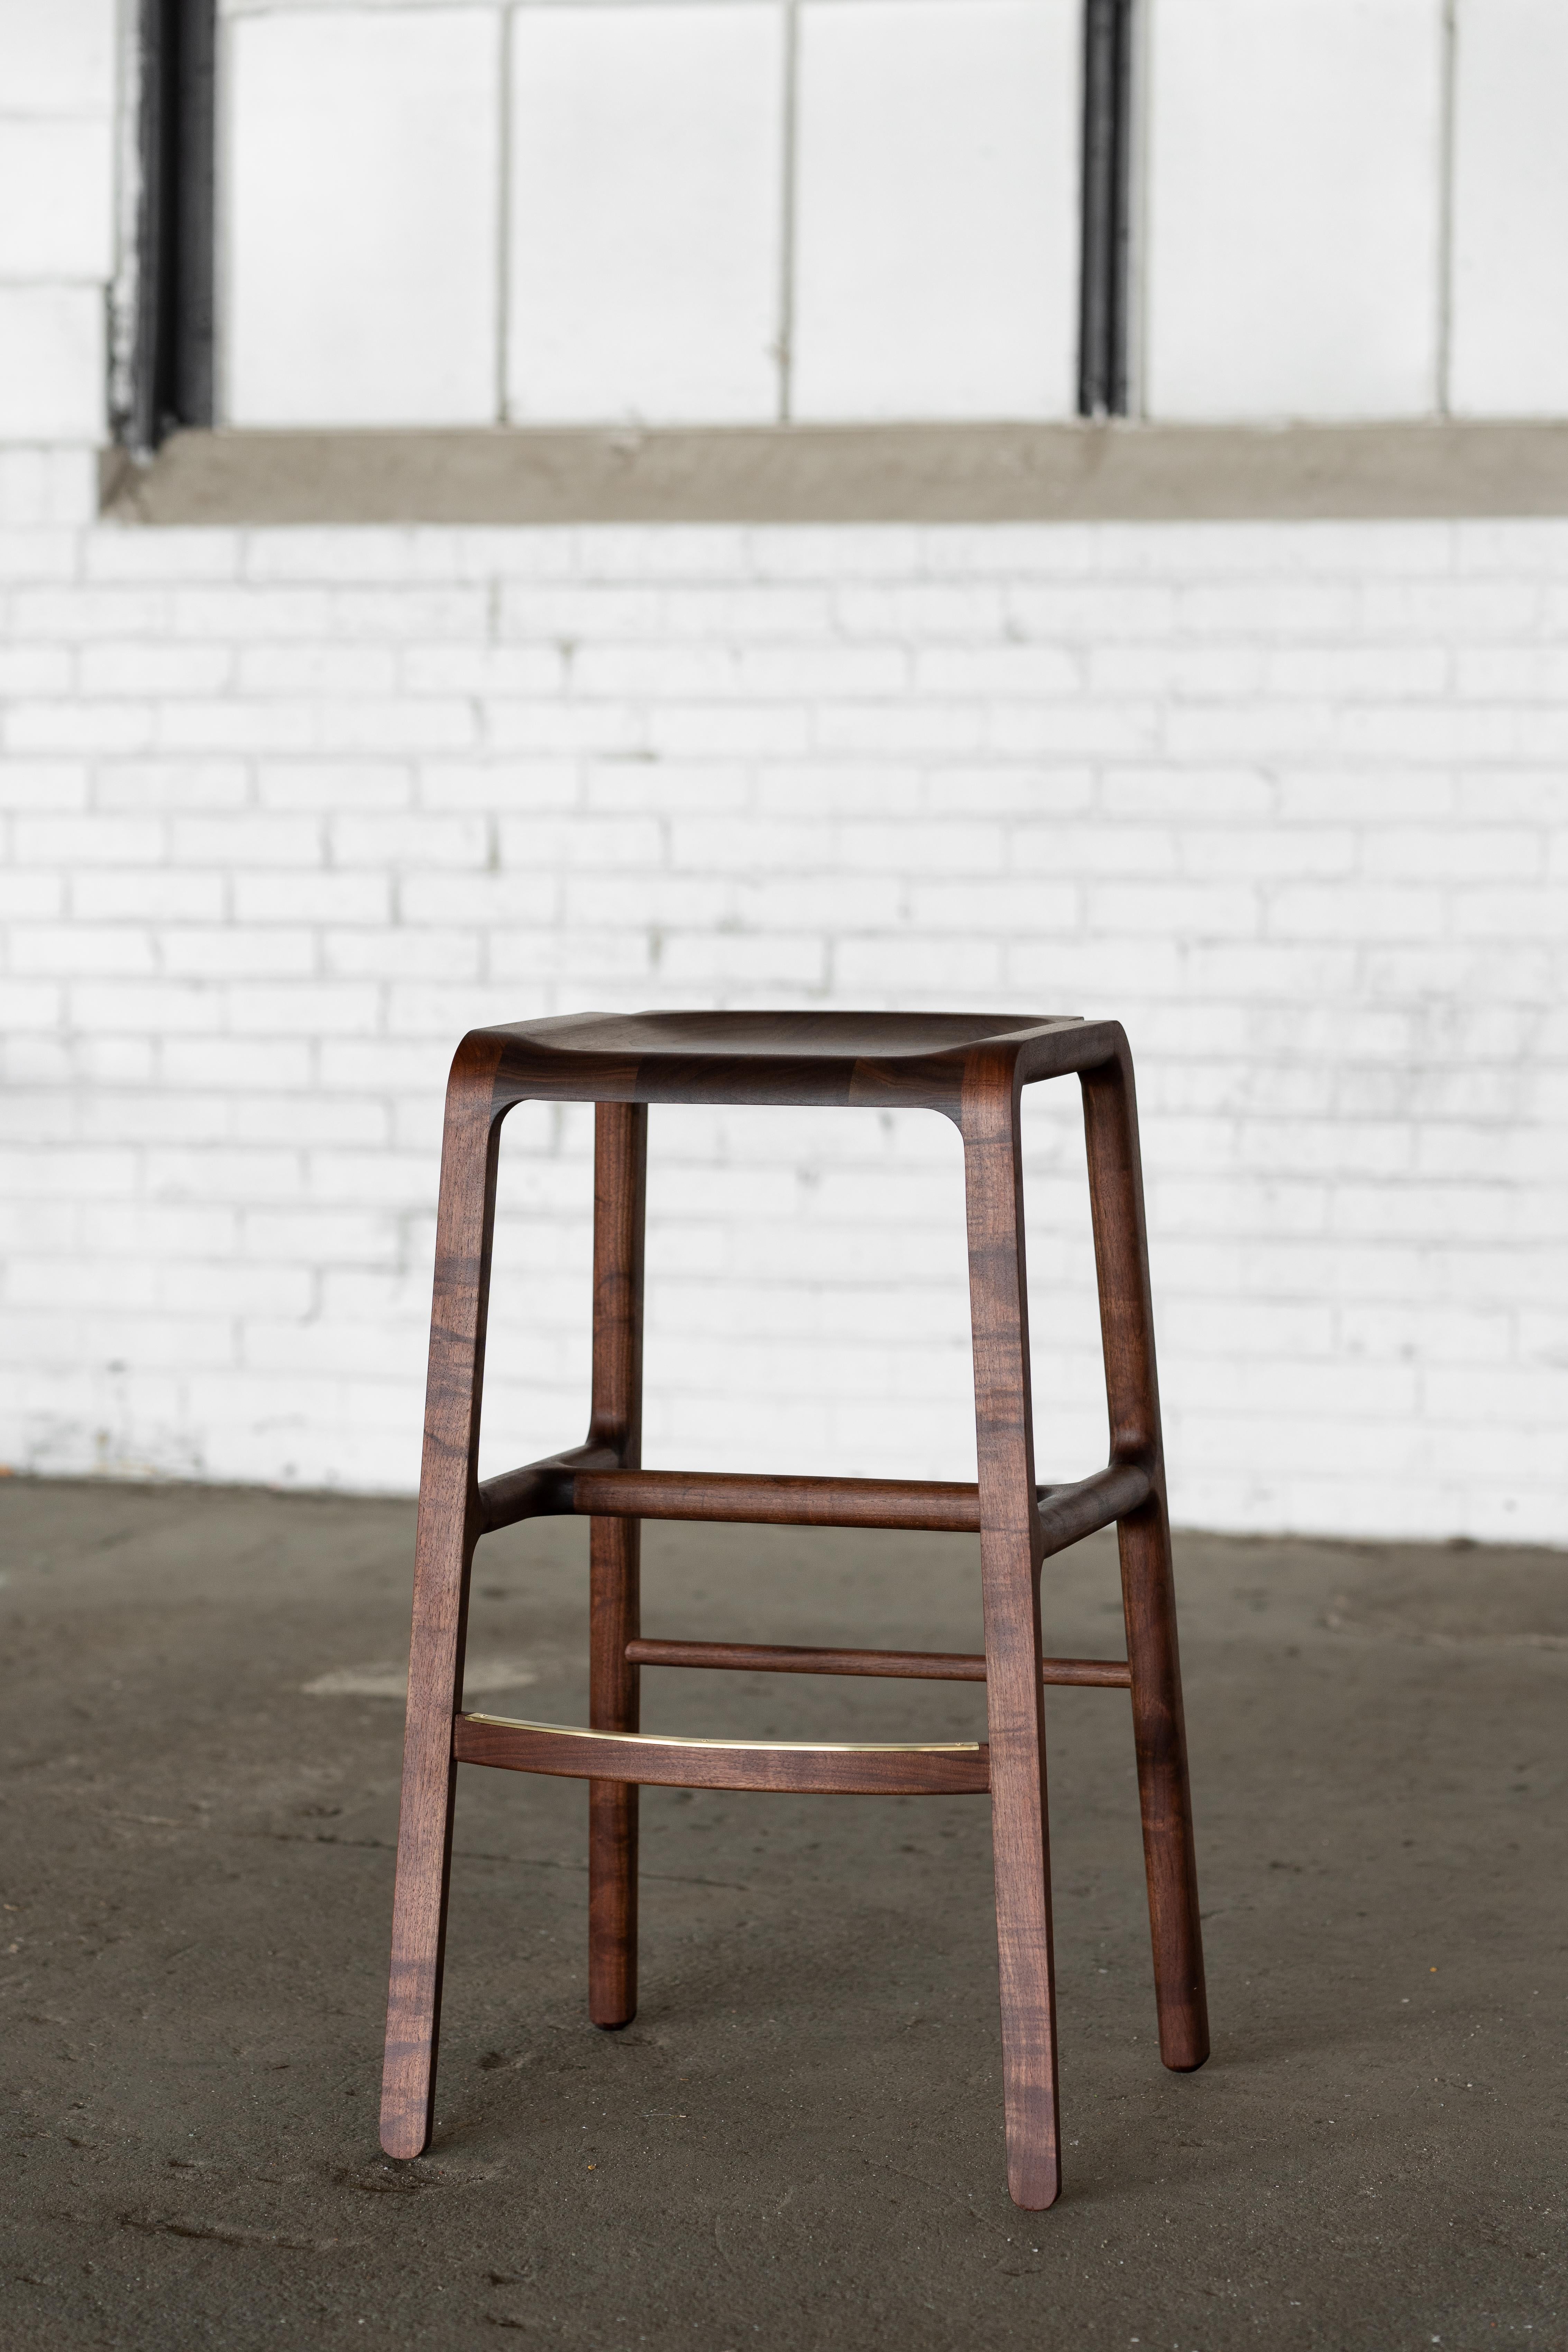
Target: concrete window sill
[848,474]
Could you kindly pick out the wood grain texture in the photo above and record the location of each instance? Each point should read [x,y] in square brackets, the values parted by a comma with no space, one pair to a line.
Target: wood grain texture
[620,1188]
[916,1665]
[1159,1729]
[875,1060]
[586,1479]
[1068,1513]
[1009,1575]
[807,1769]
[444,1545]
[775,1501]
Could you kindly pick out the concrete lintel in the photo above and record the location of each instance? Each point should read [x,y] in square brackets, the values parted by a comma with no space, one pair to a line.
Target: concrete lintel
[846,473]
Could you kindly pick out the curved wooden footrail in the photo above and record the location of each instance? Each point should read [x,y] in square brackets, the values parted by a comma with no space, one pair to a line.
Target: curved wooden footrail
[957,1769]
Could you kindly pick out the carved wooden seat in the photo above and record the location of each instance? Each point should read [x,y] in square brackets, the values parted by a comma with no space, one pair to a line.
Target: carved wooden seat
[971,1067]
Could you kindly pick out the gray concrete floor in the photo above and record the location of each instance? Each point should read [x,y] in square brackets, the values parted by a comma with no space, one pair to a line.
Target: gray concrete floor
[799,2143]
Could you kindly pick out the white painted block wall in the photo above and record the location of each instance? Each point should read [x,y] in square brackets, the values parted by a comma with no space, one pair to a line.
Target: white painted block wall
[361,157]
[1293,207]
[935,266]
[287,811]
[626,210]
[57,215]
[647,181]
[585,214]
[284,811]
[1510,210]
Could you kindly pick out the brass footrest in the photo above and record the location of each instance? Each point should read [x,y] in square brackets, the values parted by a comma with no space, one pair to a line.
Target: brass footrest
[834,1767]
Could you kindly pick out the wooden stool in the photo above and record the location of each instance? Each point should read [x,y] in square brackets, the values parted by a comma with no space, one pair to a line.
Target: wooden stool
[971,1067]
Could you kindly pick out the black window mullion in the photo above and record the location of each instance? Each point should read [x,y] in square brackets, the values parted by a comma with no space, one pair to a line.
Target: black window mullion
[172,377]
[1105,208]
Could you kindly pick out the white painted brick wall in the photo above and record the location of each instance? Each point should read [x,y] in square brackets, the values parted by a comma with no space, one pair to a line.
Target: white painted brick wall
[57,215]
[286,811]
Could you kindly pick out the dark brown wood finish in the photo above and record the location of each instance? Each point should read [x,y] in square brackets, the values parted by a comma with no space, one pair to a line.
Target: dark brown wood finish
[1143,1536]
[969,1067]
[955,1768]
[538,1489]
[1009,1578]
[872,1060]
[620,1185]
[586,1480]
[914,1666]
[444,1547]
[1066,1513]
[771,1501]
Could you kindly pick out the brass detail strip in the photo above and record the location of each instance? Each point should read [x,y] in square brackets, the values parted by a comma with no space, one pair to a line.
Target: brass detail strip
[805,1767]
[759,1746]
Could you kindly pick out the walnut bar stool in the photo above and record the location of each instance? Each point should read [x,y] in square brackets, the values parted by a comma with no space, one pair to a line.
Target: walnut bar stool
[972,1068]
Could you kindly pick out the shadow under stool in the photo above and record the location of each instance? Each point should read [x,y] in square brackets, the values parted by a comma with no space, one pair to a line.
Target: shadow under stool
[972,1068]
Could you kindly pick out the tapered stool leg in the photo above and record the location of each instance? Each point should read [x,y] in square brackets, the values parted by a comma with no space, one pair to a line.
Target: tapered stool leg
[1121,1258]
[620,1179]
[447,1530]
[1009,1567]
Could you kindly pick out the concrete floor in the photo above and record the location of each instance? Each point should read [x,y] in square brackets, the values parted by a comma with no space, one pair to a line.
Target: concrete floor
[799,2143]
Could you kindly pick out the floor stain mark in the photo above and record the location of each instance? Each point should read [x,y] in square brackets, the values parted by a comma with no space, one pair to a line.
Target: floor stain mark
[225,2233]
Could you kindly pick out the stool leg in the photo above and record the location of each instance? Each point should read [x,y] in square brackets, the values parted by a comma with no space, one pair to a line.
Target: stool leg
[1159,1731]
[1009,1566]
[620,1181]
[444,1548]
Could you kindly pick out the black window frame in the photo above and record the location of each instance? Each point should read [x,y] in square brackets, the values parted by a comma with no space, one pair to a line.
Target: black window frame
[172,371]
[1105,261]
